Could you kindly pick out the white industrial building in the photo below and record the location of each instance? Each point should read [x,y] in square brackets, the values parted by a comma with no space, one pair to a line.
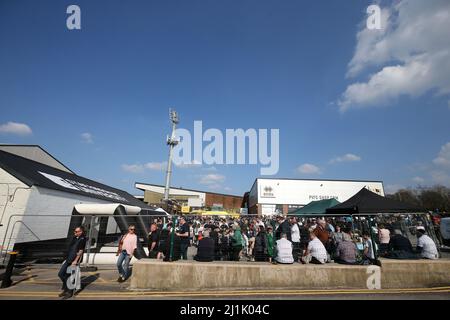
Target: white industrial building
[39,197]
[280,196]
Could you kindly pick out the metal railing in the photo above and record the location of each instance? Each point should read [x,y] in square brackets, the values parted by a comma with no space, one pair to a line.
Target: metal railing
[46,236]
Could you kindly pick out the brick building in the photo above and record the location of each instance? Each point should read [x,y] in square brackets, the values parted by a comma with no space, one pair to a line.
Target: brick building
[194,199]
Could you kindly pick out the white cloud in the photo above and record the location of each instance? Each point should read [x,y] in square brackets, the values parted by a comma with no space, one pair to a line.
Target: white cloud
[411,53]
[133,168]
[158,166]
[441,177]
[20,129]
[349,157]
[139,168]
[308,168]
[188,165]
[418,180]
[443,159]
[87,137]
[212,179]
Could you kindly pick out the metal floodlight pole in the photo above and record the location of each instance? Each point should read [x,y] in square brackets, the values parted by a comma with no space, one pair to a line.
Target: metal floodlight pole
[171,142]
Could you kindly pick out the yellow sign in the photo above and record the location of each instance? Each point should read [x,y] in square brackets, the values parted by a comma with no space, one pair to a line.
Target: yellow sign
[185,209]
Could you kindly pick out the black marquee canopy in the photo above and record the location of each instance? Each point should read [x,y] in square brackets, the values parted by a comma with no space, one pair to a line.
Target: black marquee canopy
[366,201]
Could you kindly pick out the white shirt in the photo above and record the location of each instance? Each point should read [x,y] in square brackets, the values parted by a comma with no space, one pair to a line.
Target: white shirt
[368,244]
[295,233]
[429,250]
[284,251]
[317,250]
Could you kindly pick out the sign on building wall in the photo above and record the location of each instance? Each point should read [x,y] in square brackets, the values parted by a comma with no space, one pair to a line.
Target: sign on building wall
[267,191]
[185,209]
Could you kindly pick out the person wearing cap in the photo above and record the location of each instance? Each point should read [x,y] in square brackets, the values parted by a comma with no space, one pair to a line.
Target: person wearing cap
[425,245]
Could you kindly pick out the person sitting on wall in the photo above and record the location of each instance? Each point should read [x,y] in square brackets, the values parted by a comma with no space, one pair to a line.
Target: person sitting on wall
[346,249]
[400,247]
[368,253]
[206,248]
[316,252]
[425,245]
[284,250]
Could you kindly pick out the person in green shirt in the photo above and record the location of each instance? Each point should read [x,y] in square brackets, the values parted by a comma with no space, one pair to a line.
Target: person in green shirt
[270,243]
[236,242]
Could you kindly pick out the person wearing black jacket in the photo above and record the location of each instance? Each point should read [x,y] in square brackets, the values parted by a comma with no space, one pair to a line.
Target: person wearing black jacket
[74,257]
[153,241]
[283,227]
[400,247]
[164,241]
[206,248]
[261,245]
[214,234]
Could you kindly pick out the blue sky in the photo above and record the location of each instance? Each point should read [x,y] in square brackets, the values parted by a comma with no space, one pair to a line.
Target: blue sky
[232,64]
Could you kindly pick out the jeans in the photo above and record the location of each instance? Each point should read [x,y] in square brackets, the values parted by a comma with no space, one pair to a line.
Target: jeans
[63,275]
[123,264]
[183,249]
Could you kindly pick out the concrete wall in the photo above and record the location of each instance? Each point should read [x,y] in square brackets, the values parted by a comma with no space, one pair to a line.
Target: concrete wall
[415,273]
[192,275]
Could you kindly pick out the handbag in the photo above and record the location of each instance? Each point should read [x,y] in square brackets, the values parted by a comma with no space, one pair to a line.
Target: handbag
[75,277]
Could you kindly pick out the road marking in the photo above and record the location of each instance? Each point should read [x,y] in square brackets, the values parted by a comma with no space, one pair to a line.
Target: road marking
[226,293]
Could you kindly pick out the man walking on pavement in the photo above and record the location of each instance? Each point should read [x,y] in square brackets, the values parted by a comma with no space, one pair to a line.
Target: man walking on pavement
[74,257]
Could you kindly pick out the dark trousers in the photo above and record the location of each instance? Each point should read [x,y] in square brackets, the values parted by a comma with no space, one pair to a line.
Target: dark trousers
[383,248]
[183,250]
[260,256]
[295,250]
[344,262]
[236,251]
[63,275]
[315,261]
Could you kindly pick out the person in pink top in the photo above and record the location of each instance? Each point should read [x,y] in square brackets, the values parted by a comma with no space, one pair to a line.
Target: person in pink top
[127,245]
[384,236]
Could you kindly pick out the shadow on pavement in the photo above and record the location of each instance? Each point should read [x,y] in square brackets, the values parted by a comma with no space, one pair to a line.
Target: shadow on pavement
[86,281]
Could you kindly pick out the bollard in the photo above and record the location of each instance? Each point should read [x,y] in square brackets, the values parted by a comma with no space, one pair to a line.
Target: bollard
[9,269]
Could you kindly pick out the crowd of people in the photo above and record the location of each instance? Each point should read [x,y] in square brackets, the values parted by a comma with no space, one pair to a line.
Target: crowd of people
[280,239]
[285,239]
